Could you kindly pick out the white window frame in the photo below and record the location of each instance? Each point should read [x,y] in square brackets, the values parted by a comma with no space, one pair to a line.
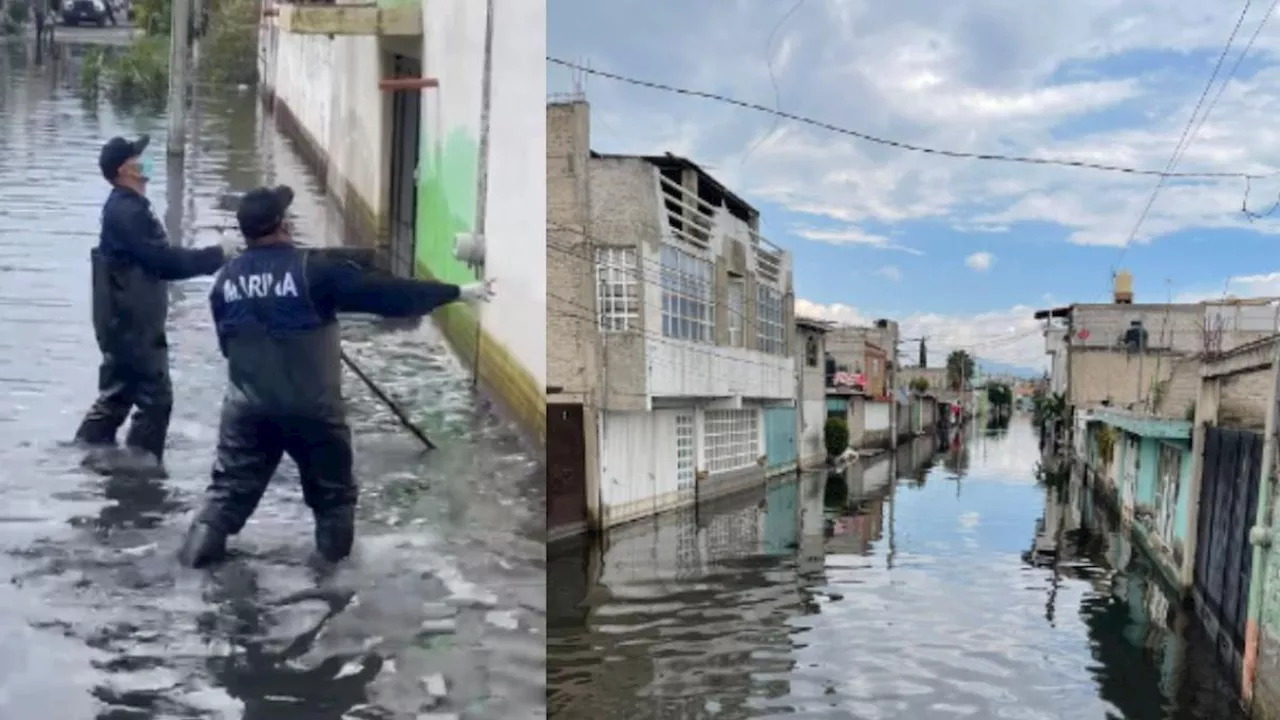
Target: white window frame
[731,439]
[737,311]
[686,452]
[770,337]
[687,301]
[619,292]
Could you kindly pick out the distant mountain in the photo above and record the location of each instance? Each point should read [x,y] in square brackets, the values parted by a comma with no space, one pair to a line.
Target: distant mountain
[991,367]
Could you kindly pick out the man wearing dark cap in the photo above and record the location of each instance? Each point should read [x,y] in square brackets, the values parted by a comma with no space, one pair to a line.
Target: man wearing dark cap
[131,268]
[275,310]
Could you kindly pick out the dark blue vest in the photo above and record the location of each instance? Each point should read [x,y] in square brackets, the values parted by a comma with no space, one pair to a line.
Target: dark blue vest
[283,356]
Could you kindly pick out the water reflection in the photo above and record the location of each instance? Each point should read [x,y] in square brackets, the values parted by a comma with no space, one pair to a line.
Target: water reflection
[879,592]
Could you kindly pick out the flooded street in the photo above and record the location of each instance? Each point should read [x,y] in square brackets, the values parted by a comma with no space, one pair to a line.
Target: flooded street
[442,609]
[965,589]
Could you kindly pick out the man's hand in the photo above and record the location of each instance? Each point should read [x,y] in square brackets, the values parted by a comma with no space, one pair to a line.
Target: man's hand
[481,291]
[231,247]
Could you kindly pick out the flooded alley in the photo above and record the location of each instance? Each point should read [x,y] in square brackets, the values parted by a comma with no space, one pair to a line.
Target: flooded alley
[963,589]
[442,608]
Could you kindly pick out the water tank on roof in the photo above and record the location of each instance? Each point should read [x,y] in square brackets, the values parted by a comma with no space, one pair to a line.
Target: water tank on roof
[1123,288]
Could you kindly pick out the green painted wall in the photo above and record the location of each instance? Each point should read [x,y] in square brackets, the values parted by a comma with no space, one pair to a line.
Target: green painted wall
[1148,452]
[446,203]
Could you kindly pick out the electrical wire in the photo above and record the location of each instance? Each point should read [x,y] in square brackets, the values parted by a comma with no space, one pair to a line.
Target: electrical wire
[773,80]
[661,275]
[911,147]
[1184,141]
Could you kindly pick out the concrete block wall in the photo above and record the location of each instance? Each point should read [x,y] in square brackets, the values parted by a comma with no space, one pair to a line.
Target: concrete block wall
[1099,374]
[1243,402]
[936,377]
[1176,327]
[572,363]
[623,212]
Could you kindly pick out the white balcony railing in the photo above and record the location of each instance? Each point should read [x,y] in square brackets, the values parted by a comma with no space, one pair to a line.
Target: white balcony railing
[687,369]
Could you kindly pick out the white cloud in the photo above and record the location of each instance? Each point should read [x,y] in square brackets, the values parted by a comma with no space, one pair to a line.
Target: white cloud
[890,272]
[853,236]
[1243,286]
[1011,336]
[979,261]
[981,76]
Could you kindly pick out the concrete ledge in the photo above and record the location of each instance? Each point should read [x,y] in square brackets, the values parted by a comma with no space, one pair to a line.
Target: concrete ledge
[1249,357]
[367,19]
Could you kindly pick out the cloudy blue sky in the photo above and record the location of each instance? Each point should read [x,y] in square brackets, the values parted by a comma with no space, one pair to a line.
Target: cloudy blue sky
[962,251]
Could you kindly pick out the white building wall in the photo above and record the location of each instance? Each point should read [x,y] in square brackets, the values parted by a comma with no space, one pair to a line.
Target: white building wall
[516,207]
[877,417]
[638,468]
[1056,347]
[686,369]
[331,87]
[812,443]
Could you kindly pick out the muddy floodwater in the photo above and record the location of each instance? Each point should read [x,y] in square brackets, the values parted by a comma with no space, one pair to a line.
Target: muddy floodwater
[951,586]
[442,612]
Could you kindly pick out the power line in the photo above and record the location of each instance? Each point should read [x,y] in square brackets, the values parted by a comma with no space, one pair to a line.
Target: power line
[660,274]
[957,154]
[1185,140]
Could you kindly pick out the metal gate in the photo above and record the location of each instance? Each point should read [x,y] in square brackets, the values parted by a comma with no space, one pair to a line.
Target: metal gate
[406,127]
[566,469]
[780,437]
[1228,505]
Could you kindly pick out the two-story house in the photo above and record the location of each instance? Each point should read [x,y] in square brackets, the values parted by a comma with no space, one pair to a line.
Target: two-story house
[669,327]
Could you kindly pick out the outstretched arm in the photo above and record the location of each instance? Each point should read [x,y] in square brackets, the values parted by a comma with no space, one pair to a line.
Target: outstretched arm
[347,287]
[139,237]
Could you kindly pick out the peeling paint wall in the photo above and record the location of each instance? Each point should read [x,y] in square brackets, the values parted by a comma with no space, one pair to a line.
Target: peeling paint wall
[450,168]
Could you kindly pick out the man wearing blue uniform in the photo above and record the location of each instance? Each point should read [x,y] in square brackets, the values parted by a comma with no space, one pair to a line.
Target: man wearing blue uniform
[131,268]
[275,308]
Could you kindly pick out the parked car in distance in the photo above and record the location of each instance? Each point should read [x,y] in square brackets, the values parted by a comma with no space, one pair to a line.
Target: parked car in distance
[76,12]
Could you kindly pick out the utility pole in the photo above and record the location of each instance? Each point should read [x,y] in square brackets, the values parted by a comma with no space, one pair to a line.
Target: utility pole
[179,29]
[891,372]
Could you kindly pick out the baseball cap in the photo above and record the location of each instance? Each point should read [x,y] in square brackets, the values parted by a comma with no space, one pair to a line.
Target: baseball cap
[262,210]
[117,152]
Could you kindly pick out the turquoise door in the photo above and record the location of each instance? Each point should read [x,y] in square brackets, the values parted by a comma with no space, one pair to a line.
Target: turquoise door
[780,437]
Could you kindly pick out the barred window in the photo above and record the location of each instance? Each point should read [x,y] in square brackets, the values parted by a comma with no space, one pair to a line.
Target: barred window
[685,461]
[732,439]
[769,330]
[686,296]
[618,289]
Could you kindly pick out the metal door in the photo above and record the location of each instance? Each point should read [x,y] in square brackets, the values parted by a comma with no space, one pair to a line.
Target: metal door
[566,468]
[1228,506]
[406,127]
[780,437]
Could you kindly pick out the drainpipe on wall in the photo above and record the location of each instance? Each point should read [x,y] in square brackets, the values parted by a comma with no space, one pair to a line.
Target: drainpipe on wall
[482,170]
[1260,534]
